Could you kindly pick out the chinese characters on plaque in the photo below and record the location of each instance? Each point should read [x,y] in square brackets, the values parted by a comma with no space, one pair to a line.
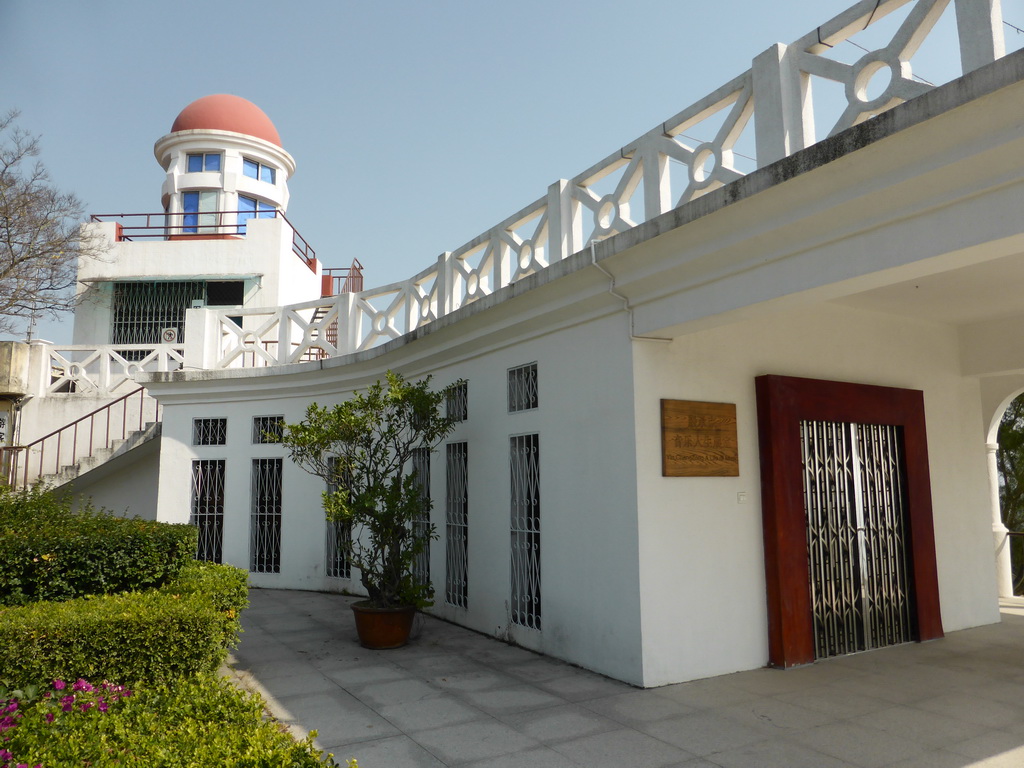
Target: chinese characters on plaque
[698,439]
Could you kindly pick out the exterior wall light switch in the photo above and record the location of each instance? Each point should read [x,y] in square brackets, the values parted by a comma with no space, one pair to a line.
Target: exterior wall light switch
[741,497]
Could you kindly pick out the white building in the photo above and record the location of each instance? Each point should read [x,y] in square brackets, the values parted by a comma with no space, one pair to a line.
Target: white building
[713,421]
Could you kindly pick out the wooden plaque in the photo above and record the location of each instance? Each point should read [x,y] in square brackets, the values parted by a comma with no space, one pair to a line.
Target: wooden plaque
[698,439]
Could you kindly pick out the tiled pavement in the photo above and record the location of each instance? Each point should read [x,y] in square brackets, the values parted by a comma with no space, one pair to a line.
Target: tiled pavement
[455,698]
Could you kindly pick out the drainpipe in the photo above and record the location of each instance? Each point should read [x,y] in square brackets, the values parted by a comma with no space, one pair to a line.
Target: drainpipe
[1004,570]
[623,299]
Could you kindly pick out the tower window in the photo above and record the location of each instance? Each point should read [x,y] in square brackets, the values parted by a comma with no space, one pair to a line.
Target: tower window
[200,211]
[203,162]
[251,208]
[255,170]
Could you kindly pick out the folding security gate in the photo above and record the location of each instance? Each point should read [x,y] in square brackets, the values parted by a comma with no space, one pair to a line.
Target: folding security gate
[857,547]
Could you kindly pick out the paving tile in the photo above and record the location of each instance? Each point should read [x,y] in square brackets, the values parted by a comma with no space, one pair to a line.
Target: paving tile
[392,752]
[989,744]
[473,741]
[581,686]
[531,758]
[703,733]
[561,723]
[936,758]
[835,700]
[776,752]
[615,749]
[973,708]
[773,715]
[926,728]
[867,747]
[537,670]
[305,682]
[476,680]
[358,674]
[402,691]
[637,707]
[430,713]
[338,718]
[515,698]
[705,694]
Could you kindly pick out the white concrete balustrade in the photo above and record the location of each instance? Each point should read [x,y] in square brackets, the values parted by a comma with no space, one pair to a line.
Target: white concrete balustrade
[657,172]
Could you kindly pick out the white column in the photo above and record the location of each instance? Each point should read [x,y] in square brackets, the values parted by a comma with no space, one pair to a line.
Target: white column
[980,29]
[1004,572]
[781,107]
[202,339]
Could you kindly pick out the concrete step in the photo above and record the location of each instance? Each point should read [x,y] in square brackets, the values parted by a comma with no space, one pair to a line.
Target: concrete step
[101,456]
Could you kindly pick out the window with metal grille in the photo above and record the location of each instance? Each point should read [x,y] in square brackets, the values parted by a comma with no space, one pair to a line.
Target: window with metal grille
[524,459]
[456,580]
[522,388]
[140,311]
[265,517]
[209,431]
[458,402]
[267,429]
[208,508]
[339,535]
[421,525]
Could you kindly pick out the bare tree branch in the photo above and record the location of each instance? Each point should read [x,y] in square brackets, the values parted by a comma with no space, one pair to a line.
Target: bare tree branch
[41,240]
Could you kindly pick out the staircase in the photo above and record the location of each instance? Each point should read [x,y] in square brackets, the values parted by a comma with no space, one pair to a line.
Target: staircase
[97,439]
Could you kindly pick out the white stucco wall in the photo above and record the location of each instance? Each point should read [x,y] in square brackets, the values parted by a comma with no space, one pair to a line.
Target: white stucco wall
[590,606]
[125,486]
[701,552]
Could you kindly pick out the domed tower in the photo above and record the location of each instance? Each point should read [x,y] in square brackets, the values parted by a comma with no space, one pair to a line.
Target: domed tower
[222,156]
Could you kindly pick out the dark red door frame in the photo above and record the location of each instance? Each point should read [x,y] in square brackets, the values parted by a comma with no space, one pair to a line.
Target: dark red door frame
[782,403]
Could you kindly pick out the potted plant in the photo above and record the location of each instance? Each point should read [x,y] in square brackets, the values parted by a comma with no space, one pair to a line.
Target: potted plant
[362,448]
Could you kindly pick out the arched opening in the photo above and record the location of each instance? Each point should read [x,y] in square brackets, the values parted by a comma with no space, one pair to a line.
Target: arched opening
[1006,473]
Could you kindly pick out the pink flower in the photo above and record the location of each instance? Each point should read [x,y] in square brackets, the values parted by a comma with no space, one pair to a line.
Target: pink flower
[49,717]
[59,685]
[102,706]
[86,706]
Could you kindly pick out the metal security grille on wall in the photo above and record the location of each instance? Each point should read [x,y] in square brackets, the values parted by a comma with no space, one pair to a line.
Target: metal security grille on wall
[142,310]
[458,402]
[856,536]
[339,536]
[208,508]
[265,517]
[522,388]
[209,431]
[267,429]
[456,580]
[524,455]
[421,525]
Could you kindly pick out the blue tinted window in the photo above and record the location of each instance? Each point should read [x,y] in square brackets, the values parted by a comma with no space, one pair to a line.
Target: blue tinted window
[246,211]
[251,169]
[267,174]
[213,162]
[195,163]
[190,202]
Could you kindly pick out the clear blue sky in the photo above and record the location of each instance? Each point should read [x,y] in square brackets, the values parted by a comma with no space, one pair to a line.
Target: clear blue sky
[416,124]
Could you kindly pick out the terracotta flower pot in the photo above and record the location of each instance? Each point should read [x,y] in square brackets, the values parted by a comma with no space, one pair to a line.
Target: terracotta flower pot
[382,628]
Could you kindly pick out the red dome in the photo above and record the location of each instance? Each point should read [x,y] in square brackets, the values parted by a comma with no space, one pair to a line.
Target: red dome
[224,112]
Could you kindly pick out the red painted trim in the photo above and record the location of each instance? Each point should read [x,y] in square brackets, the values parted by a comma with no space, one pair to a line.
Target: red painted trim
[782,403]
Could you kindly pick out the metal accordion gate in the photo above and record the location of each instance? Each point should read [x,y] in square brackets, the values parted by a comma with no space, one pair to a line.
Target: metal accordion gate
[857,536]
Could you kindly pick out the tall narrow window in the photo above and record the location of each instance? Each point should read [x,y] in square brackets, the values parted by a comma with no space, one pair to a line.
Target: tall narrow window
[251,208]
[456,580]
[421,525]
[524,455]
[208,508]
[339,534]
[458,402]
[200,210]
[265,517]
[522,388]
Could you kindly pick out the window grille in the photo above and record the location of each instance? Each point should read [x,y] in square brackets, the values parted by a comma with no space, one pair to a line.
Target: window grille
[208,508]
[267,429]
[456,583]
[524,455]
[421,525]
[339,536]
[458,402]
[522,388]
[209,431]
[141,310]
[265,517]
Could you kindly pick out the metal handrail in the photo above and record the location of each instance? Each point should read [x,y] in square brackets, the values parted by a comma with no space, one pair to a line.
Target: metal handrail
[158,225]
[10,458]
[344,279]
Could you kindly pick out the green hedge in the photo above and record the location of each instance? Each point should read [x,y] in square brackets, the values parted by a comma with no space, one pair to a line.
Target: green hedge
[49,552]
[159,635]
[196,723]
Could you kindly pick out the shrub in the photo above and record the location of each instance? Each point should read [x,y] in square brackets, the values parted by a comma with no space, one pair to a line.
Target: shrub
[200,721]
[49,552]
[159,635]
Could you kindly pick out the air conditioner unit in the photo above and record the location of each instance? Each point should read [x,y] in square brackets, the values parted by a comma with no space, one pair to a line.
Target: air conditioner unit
[198,304]
[168,335]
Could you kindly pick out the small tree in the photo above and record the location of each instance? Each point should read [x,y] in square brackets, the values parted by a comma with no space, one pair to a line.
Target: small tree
[1010,460]
[362,449]
[40,237]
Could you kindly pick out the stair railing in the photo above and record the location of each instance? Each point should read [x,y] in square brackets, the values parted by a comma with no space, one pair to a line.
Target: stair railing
[76,440]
